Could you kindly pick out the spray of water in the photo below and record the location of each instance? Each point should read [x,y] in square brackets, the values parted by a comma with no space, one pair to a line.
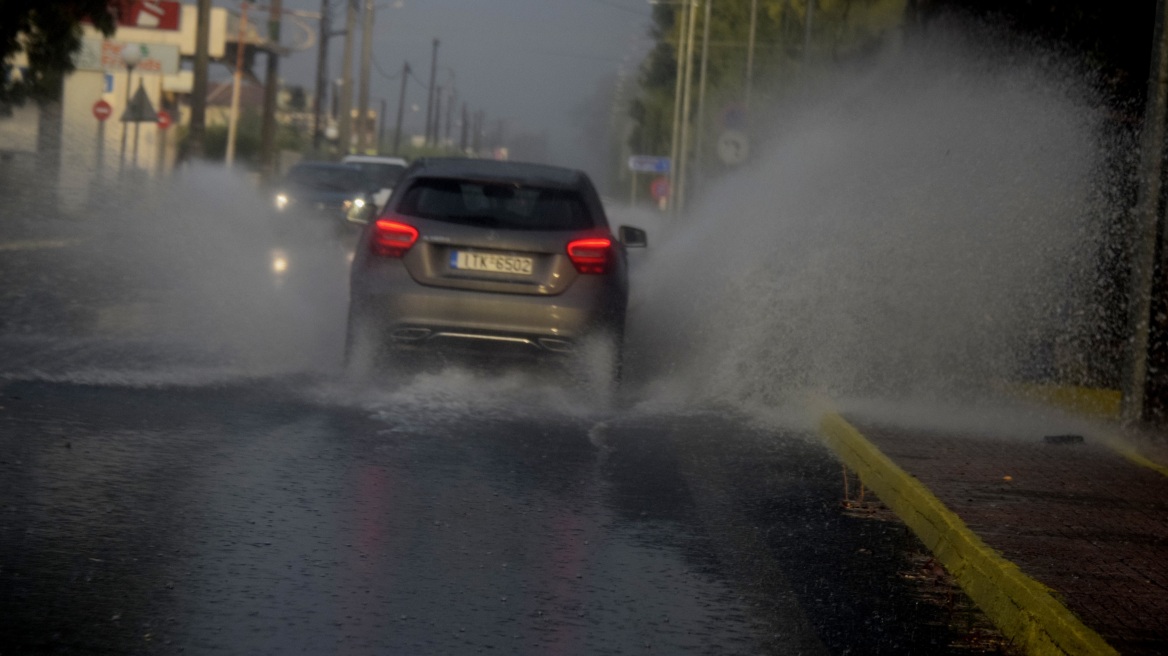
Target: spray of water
[924,227]
[187,280]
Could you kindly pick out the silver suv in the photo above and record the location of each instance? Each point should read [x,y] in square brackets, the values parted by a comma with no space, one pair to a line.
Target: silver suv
[481,256]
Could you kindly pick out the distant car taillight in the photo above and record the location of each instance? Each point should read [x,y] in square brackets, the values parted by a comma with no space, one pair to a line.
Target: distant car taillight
[590,255]
[392,238]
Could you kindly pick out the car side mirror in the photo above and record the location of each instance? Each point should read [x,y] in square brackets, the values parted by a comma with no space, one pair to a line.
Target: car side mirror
[632,237]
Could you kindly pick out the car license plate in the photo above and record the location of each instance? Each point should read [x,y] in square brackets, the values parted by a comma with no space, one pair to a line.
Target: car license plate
[471,261]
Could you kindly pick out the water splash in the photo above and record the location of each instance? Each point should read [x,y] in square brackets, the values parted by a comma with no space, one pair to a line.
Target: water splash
[925,227]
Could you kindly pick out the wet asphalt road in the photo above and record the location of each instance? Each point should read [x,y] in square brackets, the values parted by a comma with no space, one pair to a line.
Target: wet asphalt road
[257,520]
[178,474]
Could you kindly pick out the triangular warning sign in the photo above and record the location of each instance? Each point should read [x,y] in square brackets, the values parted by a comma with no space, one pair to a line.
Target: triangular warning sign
[140,109]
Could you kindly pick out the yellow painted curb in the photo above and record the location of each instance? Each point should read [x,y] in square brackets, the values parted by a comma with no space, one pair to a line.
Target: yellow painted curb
[1092,403]
[1024,610]
[1125,449]
[1083,401]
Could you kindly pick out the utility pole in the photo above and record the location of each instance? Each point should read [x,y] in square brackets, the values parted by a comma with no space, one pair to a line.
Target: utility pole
[438,116]
[271,93]
[321,75]
[676,132]
[477,137]
[430,98]
[363,127]
[750,54]
[1148,221]
[683,155]
[236,84]
[450,112]
[807,32]
[381,127]
[401,108]
[345,106]
[701,124]
[198,128]
[462,142]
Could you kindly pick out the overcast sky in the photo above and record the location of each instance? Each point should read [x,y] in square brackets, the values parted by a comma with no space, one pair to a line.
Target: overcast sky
[531,61]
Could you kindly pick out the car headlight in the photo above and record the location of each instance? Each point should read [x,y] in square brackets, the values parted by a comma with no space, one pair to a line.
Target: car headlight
[279,262]
[281,201]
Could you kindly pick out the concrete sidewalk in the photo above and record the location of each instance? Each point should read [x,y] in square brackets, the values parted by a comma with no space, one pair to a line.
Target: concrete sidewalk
[1063,544]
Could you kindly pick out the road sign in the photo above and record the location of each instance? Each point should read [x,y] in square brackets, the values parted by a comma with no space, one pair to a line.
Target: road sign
[733,147]
[733,116]
[659,188]
[102,110]
[140,109]
[648,164]
[164,119]
[105,55]
[151,14]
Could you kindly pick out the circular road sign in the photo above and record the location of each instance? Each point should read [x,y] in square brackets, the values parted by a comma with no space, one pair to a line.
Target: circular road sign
[102,110]
[659,188]
[164,119]
[733,147]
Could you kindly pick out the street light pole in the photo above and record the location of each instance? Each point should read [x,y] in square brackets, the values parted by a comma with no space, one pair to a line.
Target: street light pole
[345,106]
[199,87]
[363,127]
[236,84]
[701,124]
[401,108]
[438,116]
[321,75]
[271,92]
[430,94]
[676,131]
[683,154]
[381,127]
[807,33]
[750,54]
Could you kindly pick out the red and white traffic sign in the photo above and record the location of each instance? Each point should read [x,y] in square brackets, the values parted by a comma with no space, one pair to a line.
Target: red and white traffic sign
[659,188]
[164,120]
[102,110]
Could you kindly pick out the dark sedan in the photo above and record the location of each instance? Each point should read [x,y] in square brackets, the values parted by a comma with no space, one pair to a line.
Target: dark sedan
[338,191]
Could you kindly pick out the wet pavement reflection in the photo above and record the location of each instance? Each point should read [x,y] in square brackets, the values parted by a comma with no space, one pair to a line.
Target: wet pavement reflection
[259,519]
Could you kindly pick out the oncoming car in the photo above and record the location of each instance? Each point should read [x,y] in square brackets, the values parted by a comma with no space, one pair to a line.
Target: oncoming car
[487,257]
[334,191]
[383,172]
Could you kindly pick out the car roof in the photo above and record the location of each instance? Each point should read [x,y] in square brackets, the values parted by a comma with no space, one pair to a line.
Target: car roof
[500,171]
[325,165]
[374,159]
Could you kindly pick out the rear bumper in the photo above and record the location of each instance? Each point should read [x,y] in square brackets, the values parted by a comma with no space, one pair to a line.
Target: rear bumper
[411,315]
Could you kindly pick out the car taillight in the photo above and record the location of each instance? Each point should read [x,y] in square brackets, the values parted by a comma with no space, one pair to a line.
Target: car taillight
[392,238]
[590,255]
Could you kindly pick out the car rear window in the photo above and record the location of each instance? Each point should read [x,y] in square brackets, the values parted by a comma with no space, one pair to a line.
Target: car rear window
[380,173]
[496,205]
[334,178]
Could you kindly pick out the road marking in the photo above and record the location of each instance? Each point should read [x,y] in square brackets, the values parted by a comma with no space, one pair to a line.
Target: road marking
[38,244]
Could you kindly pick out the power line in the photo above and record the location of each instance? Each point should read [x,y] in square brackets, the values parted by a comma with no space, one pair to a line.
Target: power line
[381,71]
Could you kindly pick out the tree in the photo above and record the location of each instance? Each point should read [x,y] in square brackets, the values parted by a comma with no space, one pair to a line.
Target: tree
[842,30]
[48,34]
